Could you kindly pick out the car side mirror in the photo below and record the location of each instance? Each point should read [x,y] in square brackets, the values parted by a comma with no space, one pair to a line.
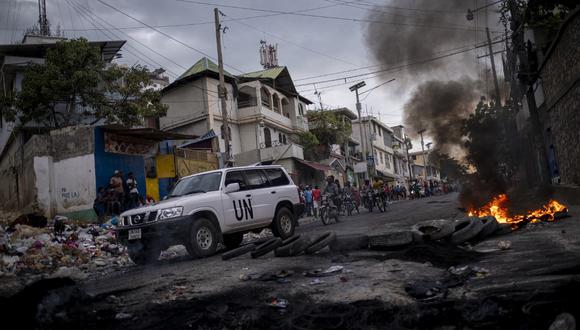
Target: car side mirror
[232,187]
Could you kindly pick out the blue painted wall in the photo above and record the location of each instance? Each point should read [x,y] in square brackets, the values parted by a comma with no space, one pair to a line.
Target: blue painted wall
[106,163]
[164,186]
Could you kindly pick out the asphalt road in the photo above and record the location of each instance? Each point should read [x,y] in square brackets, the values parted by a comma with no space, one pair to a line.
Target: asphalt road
[369,292]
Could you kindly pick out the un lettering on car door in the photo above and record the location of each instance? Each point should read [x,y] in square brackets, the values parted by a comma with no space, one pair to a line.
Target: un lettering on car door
[243,209]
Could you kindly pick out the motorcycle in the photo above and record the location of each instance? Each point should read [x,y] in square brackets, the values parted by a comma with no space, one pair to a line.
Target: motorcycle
[378,200]
[369,200]
[327,210]
[348,204]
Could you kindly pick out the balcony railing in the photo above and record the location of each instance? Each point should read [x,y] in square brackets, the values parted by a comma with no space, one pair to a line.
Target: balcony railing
[251,102]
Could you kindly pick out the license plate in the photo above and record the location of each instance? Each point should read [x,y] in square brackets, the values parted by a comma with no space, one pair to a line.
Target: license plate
[134,234]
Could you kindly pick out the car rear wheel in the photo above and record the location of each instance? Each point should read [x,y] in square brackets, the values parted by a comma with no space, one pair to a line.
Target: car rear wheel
[203,238]
[283,225]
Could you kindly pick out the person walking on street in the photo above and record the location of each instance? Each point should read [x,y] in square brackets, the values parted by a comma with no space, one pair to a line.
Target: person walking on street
[308,200]
[316,200]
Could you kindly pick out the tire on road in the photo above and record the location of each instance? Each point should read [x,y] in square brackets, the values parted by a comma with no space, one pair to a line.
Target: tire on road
[203,238]
[283,225]
[490,226]
[350,242]
[266,247]
[432,230]
[238,251]
[320,242]
[293,248]
[290,240]
[391,239]
[232,241]
[466,229]
[143,253]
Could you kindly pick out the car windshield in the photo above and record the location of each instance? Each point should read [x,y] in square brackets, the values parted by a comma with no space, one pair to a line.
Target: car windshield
[197,184]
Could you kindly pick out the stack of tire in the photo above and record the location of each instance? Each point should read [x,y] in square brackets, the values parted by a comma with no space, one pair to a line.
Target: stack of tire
[457,232]
[290,247]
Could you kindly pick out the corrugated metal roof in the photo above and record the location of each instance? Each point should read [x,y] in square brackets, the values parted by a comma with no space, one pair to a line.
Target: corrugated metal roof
[204,64]
[271,73]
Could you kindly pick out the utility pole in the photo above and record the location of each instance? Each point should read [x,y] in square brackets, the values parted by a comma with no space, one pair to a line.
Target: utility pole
[497,93]
[355,88]
[222,90]
[424,160]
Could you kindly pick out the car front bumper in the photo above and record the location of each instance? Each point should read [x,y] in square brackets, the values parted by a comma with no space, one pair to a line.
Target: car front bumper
[169,230]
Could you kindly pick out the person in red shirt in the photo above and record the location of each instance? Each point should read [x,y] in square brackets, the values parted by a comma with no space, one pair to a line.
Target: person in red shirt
[316,199]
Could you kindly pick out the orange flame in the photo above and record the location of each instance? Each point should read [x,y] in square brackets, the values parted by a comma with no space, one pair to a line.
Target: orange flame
[498,208]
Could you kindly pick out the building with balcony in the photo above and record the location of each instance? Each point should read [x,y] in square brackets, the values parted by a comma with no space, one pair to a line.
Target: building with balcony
[377,141]
[420,160]
[265,112]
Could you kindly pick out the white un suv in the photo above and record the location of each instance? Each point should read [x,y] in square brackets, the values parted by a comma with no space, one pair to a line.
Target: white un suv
[213,207]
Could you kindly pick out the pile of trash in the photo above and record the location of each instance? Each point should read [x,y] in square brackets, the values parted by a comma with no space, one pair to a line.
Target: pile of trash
[59,247]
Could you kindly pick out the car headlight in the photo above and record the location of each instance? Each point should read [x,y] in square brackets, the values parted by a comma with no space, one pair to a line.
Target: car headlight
[171,212]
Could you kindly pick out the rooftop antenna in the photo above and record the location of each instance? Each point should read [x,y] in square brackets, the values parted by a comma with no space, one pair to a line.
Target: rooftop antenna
[268,55]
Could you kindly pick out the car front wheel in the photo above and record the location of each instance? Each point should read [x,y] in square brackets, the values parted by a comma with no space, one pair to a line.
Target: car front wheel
[283,225]
[203,238]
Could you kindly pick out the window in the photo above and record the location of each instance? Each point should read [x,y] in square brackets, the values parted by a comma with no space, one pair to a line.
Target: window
[380,131]
[279,138]
[374,128]
[388,160]
[197,184]
[277,177]
[276,103]
[256,179]
[283,138]
[300,109]
[267,137]
[265,96]
[236,176]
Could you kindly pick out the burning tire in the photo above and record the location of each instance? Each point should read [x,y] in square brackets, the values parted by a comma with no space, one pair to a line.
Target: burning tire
[266,247]
[466,229]
[490,226]
[432,230]
[391,239]
[294,247]
[239,251]
[350,242]
[320,242]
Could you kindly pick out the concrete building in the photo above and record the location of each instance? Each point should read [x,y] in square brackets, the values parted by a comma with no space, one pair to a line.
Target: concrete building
[265,112]
[378,142]
[14,58]
[432,173]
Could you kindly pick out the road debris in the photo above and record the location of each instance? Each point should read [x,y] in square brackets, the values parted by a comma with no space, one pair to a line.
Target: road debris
[333,270]
[278,303]
[504,245]
[66,249]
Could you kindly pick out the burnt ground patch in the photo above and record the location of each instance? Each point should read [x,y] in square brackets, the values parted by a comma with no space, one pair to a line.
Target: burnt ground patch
[247,308]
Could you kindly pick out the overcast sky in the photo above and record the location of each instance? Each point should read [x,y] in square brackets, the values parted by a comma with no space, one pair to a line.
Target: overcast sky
[308,46]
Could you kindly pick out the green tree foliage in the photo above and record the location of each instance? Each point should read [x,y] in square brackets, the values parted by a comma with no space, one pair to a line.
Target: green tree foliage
[310,143]
[328,127]
[75,85]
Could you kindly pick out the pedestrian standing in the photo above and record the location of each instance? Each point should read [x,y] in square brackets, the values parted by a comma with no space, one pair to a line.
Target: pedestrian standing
[308,200]
[316,200]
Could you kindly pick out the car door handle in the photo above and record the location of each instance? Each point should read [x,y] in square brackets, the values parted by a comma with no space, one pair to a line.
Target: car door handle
[273,192]
[249,195]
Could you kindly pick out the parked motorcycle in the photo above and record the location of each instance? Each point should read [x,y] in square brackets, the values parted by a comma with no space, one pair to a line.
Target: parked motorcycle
[327,210]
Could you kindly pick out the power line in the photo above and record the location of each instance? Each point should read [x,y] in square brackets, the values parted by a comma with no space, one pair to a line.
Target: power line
[351,19]
[165,34]
[375,87]
[379,65]
[84,12]
[137,41]
[298,45]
